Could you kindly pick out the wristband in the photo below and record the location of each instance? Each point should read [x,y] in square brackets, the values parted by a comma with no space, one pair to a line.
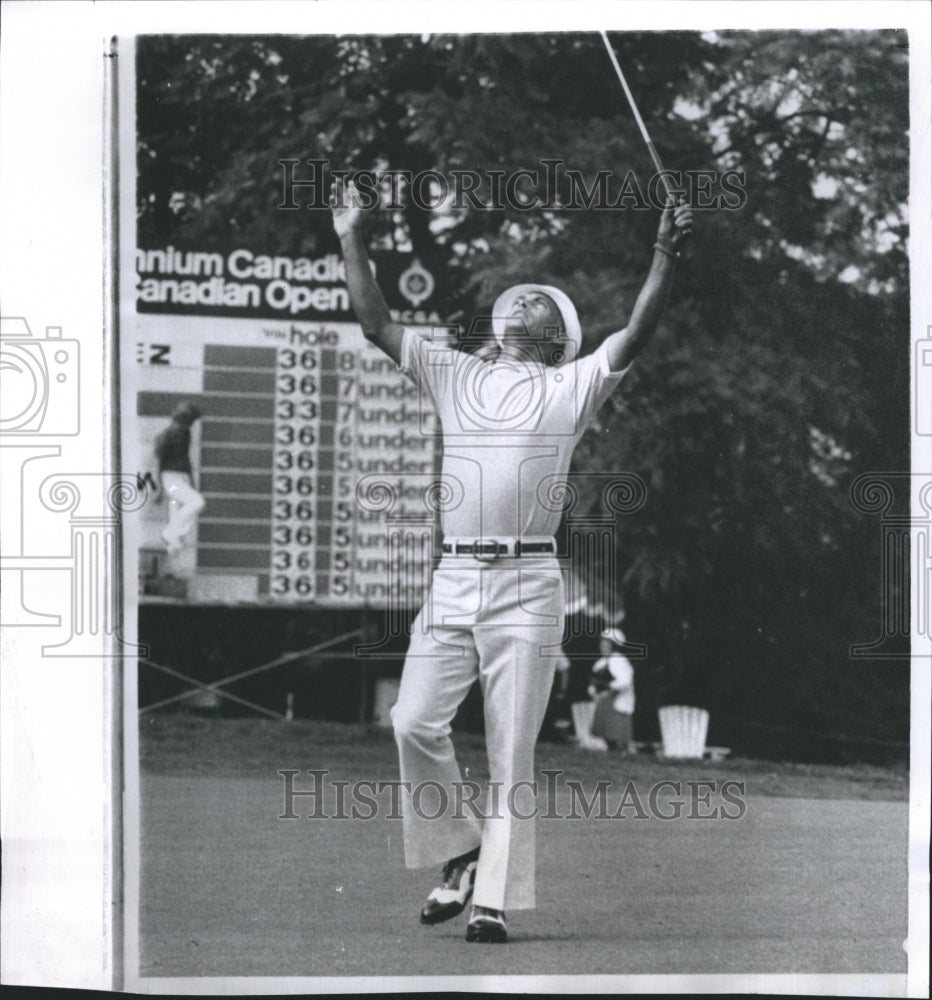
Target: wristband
[672,254]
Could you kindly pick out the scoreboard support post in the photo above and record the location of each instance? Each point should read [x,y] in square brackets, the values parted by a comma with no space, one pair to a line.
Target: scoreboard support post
[363,692]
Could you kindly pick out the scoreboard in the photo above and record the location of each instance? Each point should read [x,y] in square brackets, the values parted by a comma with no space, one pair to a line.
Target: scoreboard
[316,458]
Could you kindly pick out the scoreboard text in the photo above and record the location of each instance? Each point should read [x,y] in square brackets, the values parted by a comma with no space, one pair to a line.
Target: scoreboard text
[315,456]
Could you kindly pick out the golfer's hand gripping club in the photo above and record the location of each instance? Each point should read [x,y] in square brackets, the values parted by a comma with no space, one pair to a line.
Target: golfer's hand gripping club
[676,224]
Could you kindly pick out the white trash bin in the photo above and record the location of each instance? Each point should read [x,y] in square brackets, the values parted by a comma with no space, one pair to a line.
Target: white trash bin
[683,731]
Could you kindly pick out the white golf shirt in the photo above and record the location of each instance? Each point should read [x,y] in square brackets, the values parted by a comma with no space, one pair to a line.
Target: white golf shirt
[509,430]
[622,672]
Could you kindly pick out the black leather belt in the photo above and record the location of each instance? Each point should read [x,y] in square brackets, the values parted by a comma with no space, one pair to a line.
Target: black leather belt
[491,549]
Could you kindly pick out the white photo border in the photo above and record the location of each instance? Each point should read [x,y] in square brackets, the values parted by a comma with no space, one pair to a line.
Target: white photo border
[61,754]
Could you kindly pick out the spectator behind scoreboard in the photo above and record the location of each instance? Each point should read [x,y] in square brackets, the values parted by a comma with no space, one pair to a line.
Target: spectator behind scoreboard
[173,451]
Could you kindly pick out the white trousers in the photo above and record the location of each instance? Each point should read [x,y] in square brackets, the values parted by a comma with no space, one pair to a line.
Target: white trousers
[184,504]
[502,623]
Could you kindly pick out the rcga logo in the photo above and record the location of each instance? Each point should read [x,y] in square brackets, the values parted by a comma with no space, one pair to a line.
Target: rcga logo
[39,380]
[416,284]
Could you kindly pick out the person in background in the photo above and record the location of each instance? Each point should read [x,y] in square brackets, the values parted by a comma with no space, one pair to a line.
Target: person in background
[175,478]
[613,691]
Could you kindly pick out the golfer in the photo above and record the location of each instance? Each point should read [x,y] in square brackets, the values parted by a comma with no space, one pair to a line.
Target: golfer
[510,422]
[176,478]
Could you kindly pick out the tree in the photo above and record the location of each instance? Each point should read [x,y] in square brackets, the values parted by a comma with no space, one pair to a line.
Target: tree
[780,370]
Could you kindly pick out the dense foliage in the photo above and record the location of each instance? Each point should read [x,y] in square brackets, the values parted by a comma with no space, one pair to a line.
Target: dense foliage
[780,372]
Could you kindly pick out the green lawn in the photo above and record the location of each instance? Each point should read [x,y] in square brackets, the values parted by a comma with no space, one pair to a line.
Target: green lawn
[811,879]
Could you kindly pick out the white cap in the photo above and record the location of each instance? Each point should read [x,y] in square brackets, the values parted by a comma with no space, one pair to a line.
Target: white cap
[614,635]
[505,302]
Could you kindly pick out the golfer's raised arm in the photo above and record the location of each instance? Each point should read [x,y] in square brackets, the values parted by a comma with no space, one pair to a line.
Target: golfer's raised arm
[675,226]
[365,295]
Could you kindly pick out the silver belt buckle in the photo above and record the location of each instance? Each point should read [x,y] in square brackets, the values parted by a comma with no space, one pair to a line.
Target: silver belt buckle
[487,556]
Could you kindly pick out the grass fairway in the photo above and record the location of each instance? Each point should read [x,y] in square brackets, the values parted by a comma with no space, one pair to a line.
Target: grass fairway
[812,879]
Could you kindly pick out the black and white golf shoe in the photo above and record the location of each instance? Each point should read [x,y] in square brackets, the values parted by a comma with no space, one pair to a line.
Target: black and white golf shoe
[449,899]
[486,925]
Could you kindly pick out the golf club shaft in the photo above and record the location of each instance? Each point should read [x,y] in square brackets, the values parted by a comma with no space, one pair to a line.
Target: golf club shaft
[658,166]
